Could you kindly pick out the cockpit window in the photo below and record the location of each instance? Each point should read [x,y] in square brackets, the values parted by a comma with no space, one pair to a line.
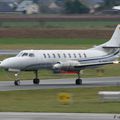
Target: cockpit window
[31,55]
[24,54]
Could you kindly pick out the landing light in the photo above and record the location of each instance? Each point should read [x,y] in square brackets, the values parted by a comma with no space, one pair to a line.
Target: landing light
[115,62]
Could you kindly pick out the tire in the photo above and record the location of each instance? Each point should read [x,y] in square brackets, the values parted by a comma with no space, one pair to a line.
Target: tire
[36,81]
[78,82]
[17,82]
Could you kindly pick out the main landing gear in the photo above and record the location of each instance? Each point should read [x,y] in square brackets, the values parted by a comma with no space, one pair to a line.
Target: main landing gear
[36,80]
[78,81]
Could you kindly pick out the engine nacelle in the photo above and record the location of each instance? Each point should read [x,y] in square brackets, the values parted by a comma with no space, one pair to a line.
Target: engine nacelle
[65,66]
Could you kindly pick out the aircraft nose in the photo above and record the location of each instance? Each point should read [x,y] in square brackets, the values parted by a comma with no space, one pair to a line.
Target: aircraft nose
[4,64]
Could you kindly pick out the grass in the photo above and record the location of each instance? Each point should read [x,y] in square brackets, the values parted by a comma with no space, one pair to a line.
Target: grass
[83,100]
[53,41]
[78,24]
[83,25]
[47,43]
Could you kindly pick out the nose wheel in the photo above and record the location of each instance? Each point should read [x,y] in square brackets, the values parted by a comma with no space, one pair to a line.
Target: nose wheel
[78,81]
[17,81]
[36,81]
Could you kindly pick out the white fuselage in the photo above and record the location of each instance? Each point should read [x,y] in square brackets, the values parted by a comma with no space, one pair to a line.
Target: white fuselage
[30,60]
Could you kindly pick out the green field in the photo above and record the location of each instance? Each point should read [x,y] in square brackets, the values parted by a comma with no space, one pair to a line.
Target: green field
[83,100]
[67,24]
[53,41]
[48,43]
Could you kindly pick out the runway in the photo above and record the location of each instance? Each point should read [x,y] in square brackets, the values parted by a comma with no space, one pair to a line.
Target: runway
[60,83]
[58,116]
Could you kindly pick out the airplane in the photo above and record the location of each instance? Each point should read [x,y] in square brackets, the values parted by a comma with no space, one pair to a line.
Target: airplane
[64,60]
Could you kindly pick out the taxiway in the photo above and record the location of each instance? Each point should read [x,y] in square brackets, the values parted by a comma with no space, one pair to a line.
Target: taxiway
[57,116]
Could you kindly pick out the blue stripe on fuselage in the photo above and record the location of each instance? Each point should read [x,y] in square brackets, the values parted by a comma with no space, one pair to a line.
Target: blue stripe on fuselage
[101,58]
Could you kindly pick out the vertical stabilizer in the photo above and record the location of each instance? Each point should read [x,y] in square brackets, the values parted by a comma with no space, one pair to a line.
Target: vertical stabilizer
[115,39]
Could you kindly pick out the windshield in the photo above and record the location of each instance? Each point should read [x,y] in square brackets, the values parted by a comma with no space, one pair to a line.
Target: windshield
[24,54]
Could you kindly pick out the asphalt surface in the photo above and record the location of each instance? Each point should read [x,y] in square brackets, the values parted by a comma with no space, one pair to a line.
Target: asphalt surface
[9,52]
[57,116]
[60,83]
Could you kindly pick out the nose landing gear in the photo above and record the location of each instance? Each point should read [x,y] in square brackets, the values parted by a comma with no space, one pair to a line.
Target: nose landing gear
[17,81]
[36,80]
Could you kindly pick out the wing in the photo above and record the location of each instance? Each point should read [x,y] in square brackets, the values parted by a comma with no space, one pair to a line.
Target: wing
[88,65]
[77,66]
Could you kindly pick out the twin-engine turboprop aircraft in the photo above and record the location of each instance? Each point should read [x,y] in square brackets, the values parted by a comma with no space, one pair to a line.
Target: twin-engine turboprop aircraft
[65,60]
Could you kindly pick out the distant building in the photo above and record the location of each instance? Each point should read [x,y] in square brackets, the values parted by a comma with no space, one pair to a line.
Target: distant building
[50,6]
[6,7]
[116,7]
[27,7]
[54,8]
[45,6]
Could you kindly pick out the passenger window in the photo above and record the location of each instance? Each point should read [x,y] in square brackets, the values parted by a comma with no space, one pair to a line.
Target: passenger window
[58,55]
[48,55]
[74,55]
[44,55]
[69,55]
[64,55]
[79,55]
[85,55]
[53,55]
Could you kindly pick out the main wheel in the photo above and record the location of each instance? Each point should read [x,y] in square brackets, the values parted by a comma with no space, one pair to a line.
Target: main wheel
[78,82]
[36,81]
[17,82]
